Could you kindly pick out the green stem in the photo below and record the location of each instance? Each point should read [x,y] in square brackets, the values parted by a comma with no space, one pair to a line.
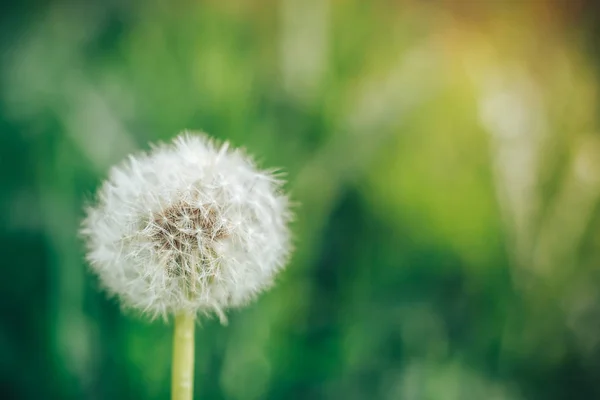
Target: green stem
[182,378]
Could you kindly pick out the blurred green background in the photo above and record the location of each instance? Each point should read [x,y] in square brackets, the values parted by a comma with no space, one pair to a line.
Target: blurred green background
[444,155]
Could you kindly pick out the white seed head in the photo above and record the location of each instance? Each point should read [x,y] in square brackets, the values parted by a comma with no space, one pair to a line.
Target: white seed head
[191,226]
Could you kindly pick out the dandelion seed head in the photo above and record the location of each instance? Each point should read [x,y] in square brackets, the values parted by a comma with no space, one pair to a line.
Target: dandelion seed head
[191,226]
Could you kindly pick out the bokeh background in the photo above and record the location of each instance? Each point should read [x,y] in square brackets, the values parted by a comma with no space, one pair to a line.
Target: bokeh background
[444,155]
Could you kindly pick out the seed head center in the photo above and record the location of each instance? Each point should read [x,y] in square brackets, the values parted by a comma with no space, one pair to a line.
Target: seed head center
[184,229]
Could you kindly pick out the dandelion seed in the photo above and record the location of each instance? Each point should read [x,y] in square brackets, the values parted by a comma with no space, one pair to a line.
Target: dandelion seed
[192,226]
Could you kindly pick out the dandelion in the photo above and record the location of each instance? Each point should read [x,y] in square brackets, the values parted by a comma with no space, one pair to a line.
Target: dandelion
[192,227]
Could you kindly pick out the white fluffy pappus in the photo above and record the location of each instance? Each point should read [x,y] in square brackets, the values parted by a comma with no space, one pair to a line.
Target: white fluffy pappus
[192,226]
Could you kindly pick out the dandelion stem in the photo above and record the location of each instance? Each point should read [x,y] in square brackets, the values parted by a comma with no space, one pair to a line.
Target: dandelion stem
[182,378]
